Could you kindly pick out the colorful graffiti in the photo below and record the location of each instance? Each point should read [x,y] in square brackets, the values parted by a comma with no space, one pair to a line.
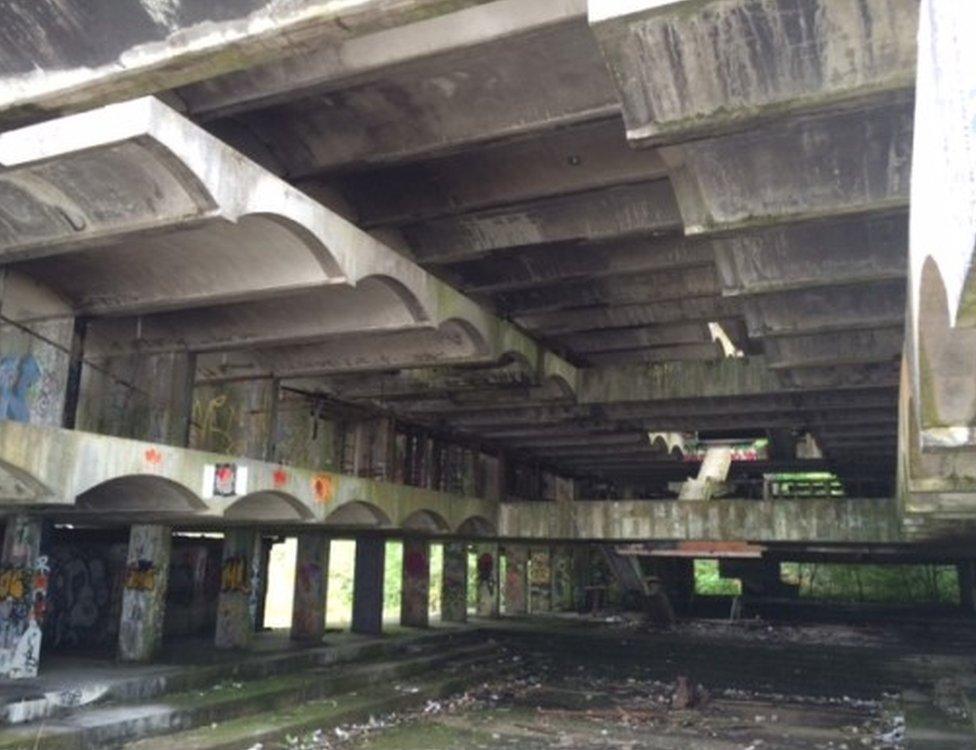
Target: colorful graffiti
[215,424]
[540,581]
[140,576]
[454,587]
[235,575]
[415,592]
[18,374]
[24,601]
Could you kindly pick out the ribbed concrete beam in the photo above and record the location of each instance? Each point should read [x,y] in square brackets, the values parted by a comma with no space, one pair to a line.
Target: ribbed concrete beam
[83,190]
[703,309]
[823,166]
[639,208]
[106,51]
[536,265]
[631,289]
[570,160]
[685,68]
[488,74]
[826,309]
[837,348]
[811,254]
[633,338]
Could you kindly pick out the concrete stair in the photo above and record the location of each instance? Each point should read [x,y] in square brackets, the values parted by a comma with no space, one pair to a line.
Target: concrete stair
[260,698]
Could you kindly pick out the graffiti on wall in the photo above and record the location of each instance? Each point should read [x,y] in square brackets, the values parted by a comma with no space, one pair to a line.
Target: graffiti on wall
[215,424]
[140,576]
[540,581]
[28,392]
[235,575]
[454,604]
[515,582]
[416,582]
[23,604]
[85,594]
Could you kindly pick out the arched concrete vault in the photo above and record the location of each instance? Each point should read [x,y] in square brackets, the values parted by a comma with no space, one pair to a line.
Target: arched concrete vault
[140,494]
[358,513]
[267,505]
[476,526]
[426,520]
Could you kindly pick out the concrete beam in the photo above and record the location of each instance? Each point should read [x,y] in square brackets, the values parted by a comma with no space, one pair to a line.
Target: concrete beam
[104,52]
[830,165]
[703,309]
[207,217]
[688,68]
[849,250]
[80,475]
[558,262]
[584,157]
[836,348]
[632,289]
[639,208]
[826,309]
[828,520]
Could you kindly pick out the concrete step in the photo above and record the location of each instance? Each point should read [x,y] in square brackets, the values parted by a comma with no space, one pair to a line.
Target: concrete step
[67,684]
[324,715]
[105,726]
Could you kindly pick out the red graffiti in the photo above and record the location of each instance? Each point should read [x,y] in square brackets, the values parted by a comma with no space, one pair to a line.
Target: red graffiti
[153,457]
[280,478]
[322,485]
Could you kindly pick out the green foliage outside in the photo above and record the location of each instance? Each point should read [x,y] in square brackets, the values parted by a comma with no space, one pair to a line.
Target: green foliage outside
[883,584]
[709,583]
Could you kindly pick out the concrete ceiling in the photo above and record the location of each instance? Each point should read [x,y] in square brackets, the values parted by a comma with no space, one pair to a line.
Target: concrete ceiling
[603,207]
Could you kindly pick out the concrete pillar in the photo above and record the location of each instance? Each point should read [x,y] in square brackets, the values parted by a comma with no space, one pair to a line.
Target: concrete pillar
[540,580]
[966,571]
[259,582]
[23,596]
[415,587]
[144,592]
[311,587]
[367,589]
[454,583]
[235,604]
[516,579]
[561,562]
[487,566]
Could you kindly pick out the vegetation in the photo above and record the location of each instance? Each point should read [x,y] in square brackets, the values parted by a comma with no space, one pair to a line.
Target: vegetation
[884,584]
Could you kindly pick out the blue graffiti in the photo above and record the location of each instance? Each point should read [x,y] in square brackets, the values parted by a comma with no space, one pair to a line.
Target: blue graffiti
[17,375]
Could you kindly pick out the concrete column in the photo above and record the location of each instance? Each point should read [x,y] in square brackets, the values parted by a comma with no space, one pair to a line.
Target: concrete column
[144,592]
[259,582]
[454,583]
[23,596]
[488,589]
[561,562]
[540,580]
[367,589]
[967,586]
[415,587]
[516,579]
[311,587]
[235,604]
